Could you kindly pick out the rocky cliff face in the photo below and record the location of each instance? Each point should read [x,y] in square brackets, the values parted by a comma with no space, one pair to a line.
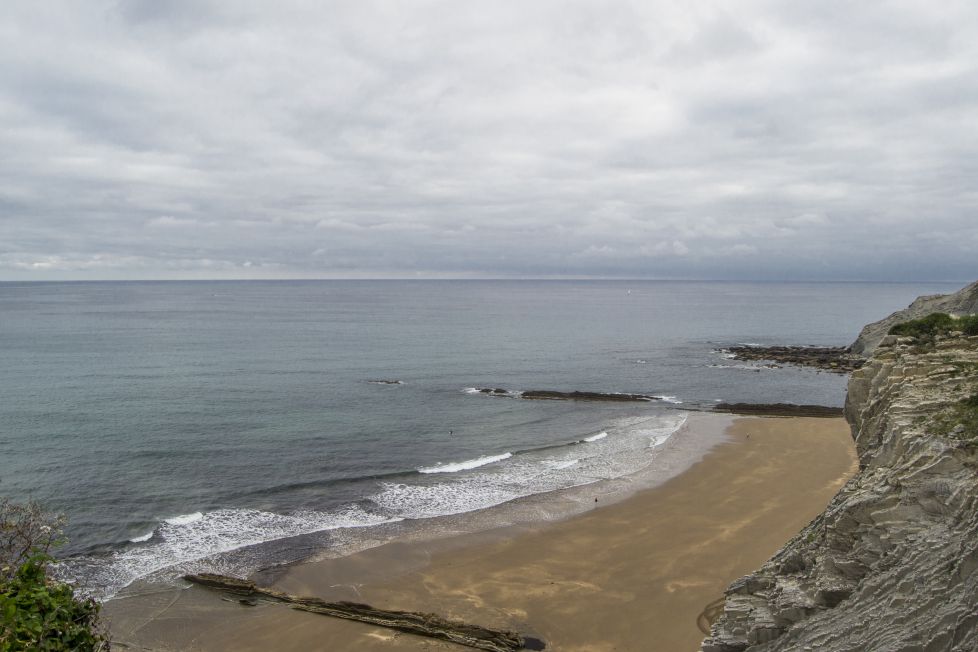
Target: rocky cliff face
[962,302]
[890,566]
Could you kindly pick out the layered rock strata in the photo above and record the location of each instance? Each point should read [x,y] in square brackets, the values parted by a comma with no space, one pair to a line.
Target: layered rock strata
[890,566]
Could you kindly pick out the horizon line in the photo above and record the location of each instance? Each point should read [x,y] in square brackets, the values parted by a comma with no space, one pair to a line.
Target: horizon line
[475,279]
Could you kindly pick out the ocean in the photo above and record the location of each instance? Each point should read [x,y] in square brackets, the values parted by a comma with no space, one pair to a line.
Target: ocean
[230,426]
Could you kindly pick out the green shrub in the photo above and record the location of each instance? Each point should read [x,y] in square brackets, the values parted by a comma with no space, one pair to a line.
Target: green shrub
[932,324]
[36,612]
[935,324]
[969,325]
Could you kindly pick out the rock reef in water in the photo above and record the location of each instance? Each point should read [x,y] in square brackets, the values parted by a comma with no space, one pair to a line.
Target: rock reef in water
[551,395]
[778,410]
[837,359]
[891,563]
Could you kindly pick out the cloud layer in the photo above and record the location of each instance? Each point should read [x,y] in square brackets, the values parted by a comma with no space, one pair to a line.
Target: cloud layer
[748,139]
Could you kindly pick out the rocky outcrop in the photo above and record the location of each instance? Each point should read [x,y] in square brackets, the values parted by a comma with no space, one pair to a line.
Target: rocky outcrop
[837,359]
[551,395]
[890,566]
[962,302]
[778,410]
[422,624]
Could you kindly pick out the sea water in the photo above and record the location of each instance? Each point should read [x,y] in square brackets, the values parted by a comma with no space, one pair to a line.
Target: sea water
[199,425]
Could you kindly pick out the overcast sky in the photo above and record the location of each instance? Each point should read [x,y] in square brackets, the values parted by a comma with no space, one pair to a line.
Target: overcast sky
[742,139]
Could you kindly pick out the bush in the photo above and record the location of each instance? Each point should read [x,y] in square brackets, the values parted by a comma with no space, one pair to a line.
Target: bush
[25,531]
[935,324]
[969,325]
[36,612]
[932,324]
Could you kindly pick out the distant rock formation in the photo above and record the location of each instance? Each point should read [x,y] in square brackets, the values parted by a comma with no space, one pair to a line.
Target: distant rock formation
[962,302]
[892,563]
[778,409]
[837,359]
[551,395]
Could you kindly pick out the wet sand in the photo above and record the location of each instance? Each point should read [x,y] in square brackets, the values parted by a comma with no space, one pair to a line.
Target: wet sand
[634,575]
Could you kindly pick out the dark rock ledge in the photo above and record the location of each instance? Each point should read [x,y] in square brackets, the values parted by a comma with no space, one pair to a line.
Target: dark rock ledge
[422,624]
[779,410]
[837,359]
[550,395]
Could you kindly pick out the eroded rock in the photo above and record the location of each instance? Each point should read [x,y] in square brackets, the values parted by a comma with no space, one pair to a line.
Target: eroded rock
[890,565]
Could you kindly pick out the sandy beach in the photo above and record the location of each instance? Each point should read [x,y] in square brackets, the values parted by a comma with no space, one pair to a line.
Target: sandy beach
[633,575]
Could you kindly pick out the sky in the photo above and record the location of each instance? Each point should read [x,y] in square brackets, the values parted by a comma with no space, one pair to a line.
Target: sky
[747,139]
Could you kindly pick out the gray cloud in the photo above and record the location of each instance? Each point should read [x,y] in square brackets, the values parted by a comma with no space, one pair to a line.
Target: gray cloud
[819,140]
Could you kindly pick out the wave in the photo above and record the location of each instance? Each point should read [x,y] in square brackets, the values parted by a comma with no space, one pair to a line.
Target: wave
[454,467]
[670,399]
[198,541]
[558,465]
[631,449]
[184,519]
[741,367]
[181,542]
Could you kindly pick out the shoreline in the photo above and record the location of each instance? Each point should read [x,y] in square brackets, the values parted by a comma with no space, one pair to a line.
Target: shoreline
[634,574]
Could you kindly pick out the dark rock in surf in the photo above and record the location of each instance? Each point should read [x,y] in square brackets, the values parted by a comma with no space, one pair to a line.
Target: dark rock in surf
[778,410]
[551,395]
[548,395]
[836,359]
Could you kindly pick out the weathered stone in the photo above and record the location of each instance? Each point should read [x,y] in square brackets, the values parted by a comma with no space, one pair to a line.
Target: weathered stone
[421,624]
[830,358]
[778,409]
[892,563]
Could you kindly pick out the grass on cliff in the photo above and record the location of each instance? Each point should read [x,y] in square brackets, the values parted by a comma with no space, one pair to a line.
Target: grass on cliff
[960,422]
[937,323]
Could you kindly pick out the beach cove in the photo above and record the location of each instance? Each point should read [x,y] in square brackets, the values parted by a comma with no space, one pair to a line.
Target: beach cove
[637,574]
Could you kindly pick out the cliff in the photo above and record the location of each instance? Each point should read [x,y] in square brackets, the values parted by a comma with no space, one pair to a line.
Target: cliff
[890,565]
[962,302]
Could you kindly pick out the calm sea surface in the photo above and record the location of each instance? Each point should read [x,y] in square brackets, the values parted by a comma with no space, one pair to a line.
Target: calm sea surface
[173,422]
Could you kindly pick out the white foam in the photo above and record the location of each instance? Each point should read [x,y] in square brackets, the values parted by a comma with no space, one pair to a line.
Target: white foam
[489,391]
[671,399]
[195,542]
[600,435]
[631,449]
[742,367]
[143,537]
[183,542]
[184,519]
[454,467]
[558,465]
